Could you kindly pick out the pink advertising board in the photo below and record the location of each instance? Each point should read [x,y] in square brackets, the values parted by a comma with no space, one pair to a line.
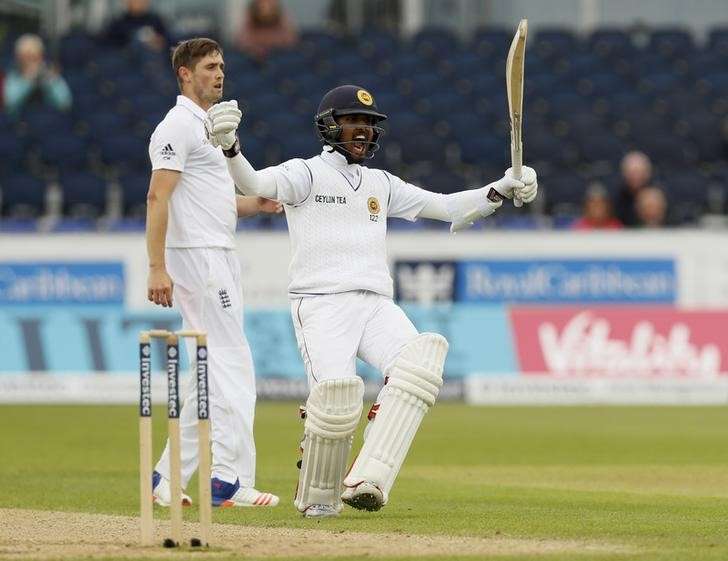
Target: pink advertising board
[620,342]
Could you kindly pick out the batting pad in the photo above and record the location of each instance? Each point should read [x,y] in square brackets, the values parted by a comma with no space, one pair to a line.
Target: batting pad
[413,383]
[333,410]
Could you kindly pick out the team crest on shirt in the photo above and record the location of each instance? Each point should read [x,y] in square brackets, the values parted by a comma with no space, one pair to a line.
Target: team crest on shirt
[373,206]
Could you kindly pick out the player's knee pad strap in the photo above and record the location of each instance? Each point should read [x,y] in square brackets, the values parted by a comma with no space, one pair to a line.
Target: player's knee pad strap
[333,410]
[413,384]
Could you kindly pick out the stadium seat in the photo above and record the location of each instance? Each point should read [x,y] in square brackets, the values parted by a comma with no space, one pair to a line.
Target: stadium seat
[671,42]
[14,152]
[23,195]
[70,153]
[134,187]
[488,42]
[84,194]
[124,152]
[610,43]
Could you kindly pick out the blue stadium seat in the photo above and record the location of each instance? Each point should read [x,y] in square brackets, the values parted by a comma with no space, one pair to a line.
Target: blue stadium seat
[18,225]
[425,147]
[67,153]
[101,122]
[134,187]
[670,149]
[75,49]
[256,150]
[671,42]
[84,194]
[127,225]
[555,42]
[23,194]
[318,41]
[74,224]
[718,40]
[490,42]
[601,147]
[564,190]
[124,152]
[297,146]
[484,149]
[14,152]
[435,42]
[610,42]
[42,121]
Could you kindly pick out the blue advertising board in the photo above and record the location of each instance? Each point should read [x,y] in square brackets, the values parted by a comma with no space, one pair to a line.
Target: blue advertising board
[61,283]
[542,281]
[77,339]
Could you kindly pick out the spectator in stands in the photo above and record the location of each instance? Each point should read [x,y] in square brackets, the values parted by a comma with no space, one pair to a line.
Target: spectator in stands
[597,213]
[651,207]
[636,175]
[267,27]
[33,82]
[138,24]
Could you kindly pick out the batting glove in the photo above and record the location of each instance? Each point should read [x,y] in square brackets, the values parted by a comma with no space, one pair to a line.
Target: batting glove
[223,120]
[523,190]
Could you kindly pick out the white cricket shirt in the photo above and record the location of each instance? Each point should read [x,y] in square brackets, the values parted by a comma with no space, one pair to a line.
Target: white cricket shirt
[337,221]
[202,209]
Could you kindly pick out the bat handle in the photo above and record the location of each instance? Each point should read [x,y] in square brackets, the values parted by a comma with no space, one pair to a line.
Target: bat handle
[517,169]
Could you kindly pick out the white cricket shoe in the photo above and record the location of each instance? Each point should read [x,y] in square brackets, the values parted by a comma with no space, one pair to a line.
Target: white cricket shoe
[364,496]
[226,494]
[161,492]
[320,511]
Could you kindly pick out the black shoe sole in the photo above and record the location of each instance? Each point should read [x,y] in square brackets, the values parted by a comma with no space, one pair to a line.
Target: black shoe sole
[365,501]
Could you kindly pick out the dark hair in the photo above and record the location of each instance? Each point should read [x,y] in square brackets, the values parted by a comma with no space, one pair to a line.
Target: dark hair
[188,53]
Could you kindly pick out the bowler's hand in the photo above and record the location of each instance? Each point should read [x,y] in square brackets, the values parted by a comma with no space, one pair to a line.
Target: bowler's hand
[159,287]
[269,206]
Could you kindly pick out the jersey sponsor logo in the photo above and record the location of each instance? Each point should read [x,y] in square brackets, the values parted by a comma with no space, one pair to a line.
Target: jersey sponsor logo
[168,152]
[330,199]
[365,97]
[373,206]
[224,298]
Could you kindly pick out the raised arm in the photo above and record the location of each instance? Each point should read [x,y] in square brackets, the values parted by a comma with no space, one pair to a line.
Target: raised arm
[464,207]
[224,119]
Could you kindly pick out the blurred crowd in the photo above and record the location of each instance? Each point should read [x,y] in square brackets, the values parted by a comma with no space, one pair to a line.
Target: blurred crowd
[625,128]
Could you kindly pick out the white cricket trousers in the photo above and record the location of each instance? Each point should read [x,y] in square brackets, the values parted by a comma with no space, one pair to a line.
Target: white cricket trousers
[332,330]
[209,294]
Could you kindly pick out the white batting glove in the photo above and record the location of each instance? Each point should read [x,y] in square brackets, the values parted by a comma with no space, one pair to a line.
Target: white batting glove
[223,120]
[527,193]
[521,191]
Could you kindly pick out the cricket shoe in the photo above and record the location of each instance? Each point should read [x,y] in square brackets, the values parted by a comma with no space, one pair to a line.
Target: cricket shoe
[226,494]
[161,492]
[320,511]
[364,496]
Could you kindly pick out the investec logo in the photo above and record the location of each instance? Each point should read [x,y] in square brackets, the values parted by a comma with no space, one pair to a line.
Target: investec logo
[145,380]
[203,411]
[172,382]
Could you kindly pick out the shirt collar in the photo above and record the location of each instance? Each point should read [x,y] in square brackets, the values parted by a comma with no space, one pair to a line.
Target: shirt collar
[338,160]
[197,111]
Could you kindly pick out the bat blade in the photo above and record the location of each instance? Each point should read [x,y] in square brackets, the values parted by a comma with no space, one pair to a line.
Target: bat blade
[514,87]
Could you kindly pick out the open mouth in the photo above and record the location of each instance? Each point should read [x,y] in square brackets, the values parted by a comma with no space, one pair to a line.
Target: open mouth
[359,145]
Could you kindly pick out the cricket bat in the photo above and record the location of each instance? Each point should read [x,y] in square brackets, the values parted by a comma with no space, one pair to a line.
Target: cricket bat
[514,88]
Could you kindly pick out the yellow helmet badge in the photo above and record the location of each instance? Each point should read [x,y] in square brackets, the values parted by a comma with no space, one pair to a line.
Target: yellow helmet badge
[365,97]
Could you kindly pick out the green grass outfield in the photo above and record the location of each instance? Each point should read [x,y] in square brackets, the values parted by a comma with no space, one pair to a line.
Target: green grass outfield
[652,479]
